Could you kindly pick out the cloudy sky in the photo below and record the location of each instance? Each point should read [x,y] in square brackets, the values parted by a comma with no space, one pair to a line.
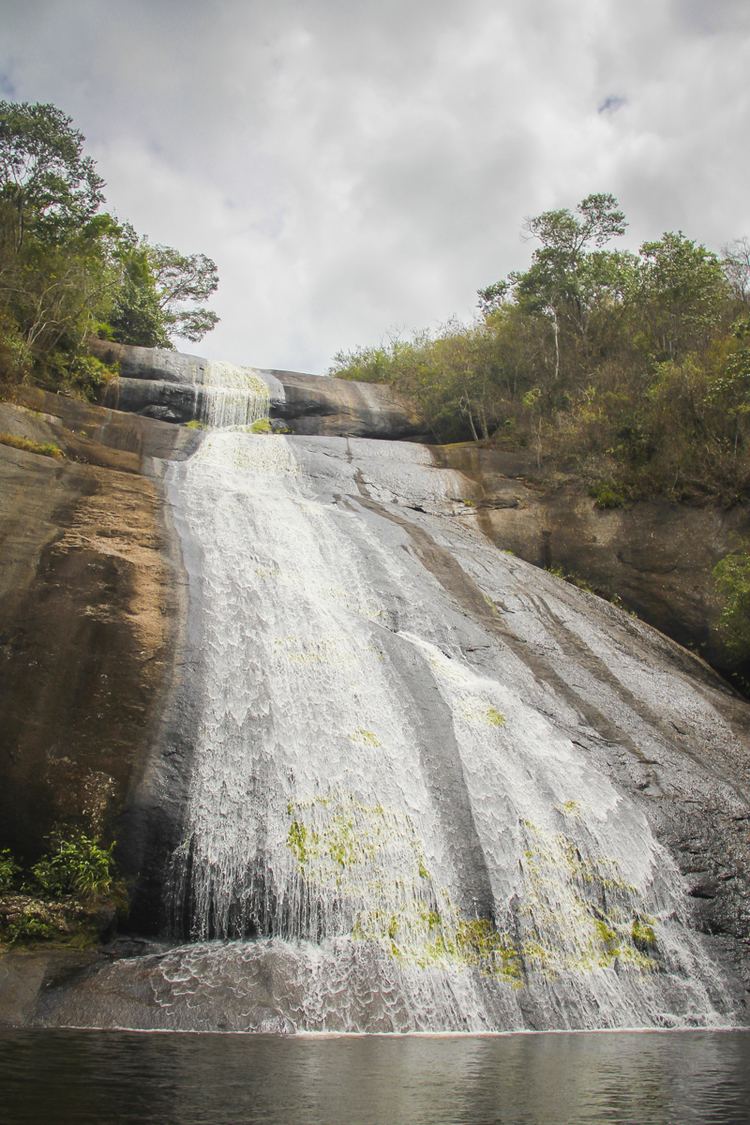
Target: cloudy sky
[358,167]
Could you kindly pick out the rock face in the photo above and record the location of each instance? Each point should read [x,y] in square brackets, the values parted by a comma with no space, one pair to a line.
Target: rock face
[655,555]
[316,704]
[420,775]
[168,385]
[87,613]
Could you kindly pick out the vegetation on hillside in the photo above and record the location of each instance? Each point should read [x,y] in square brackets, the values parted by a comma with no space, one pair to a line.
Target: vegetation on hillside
[70,270]
[630,369]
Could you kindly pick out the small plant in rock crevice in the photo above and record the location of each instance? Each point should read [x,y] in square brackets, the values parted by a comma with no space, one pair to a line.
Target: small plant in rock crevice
[607,496]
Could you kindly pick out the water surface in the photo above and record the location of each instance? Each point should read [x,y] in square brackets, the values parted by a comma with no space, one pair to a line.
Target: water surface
[172,1079]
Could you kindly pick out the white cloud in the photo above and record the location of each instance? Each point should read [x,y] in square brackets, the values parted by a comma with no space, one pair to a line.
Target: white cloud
[358,167]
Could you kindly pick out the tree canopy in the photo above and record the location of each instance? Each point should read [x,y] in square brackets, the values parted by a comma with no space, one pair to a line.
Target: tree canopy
[69,270]
[631,369]
[45,180]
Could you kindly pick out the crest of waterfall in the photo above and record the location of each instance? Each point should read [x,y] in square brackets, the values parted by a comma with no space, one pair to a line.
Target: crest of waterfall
[387,811]
[232,396]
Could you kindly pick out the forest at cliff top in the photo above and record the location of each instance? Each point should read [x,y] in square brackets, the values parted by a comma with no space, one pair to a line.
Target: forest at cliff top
[630,369]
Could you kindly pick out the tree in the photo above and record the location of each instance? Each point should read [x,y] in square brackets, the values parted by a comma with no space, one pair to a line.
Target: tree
[68,270]
[180,279]
[682,294]
[157,283]
[45,179]
[737,268]
[598,220]
[568,270]
[137,316]
[566,274]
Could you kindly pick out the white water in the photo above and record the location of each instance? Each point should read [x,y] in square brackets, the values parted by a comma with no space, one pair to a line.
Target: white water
[232,396]
[381,789]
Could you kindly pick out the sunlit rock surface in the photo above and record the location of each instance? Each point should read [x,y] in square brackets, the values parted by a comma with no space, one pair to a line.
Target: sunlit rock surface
[409,782]
[88,612]
[657,556]
[427,778]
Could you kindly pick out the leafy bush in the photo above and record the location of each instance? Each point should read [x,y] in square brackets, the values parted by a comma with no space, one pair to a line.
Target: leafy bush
[607,495]
[29,927]
[732,578]
[75,865]
[261,426]
[9,869]
[82,376]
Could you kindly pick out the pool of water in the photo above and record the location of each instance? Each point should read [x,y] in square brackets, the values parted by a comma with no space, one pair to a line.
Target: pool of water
[533,1079]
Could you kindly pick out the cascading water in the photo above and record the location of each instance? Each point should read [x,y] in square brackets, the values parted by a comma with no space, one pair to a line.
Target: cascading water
[232,396]
[381,795]
[396,816]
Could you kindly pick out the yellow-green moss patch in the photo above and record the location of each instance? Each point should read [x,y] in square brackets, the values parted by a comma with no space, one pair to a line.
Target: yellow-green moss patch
[44,449]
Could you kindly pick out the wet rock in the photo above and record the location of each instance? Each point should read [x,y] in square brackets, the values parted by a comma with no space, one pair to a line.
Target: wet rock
[655,556]
[704,890]
[90,643]
[174,386]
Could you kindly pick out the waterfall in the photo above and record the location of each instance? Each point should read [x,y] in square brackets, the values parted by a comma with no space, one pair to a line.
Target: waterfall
[390,825]
[232,396]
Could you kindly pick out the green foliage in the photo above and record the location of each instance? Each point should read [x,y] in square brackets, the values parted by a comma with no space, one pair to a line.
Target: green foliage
[297,841]
[69,271]
[136,316]
[182,279]
[366,738]
[682,292]
[9,870]
[75,865]
[47,184]
[29,927]
[605,934]
[159,289]
[45,449]
[732,578]
[194,424]
[69,895]
[630,370]
[605,495]
[494,717]
[479,944]
[81,376]
[261,426]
